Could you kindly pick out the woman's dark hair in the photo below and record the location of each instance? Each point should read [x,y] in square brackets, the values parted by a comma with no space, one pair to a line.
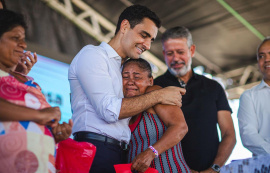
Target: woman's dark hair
[10,20]
[135,14]
[142,64]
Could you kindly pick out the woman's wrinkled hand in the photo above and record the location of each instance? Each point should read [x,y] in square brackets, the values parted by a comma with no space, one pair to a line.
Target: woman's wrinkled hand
[62,131]
[143,160]
[48,116]
[27,62]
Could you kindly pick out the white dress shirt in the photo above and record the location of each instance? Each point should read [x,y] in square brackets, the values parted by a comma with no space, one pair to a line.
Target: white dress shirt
[96,92]
[254,119]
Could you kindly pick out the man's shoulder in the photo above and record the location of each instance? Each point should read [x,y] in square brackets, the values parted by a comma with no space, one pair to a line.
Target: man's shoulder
[160,78]
[94,48]
[165,80]
[250,96]
[202,77]
[214,81]
[208,84]
[251,90]
[159,81]
[207,81]
[89,54]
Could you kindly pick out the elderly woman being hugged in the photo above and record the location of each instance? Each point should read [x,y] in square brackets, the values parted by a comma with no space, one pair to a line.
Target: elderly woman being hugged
[155,133]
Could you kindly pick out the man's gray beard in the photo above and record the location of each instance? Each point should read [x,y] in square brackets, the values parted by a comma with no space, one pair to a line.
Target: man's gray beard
[183,71]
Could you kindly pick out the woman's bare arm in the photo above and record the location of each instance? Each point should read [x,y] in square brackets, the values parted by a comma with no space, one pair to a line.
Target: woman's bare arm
[174,119]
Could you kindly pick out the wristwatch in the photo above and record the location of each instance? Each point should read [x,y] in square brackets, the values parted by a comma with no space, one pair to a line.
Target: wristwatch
[216,167]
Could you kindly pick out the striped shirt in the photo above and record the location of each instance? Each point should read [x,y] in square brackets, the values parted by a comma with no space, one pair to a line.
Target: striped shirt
[147,132]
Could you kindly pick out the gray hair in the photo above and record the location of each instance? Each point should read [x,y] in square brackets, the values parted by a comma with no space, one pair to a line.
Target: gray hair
[177,32]
[267,38]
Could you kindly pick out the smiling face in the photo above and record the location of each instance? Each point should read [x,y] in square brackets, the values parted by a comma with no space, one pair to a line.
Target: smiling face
[135,80]
[12,45]
[264,60]
[135,41]
[178,55]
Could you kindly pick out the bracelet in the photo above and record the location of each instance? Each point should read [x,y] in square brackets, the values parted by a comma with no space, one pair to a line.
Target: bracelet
[154,150]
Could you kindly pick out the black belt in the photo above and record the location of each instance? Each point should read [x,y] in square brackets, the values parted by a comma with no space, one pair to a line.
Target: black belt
[94,136]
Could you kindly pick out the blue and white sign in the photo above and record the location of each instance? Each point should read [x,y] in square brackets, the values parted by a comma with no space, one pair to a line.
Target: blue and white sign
[52,76]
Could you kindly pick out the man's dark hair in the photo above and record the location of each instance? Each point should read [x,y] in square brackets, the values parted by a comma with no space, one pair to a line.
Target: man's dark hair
[10,20]
[3,4]
[177,32]
[142,64]
[135,14]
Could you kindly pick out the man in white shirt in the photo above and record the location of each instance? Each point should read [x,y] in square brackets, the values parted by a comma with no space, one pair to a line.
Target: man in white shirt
[254,109]
[100,113]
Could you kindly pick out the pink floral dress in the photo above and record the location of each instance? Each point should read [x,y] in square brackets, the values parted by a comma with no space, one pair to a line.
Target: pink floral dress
[24,145]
